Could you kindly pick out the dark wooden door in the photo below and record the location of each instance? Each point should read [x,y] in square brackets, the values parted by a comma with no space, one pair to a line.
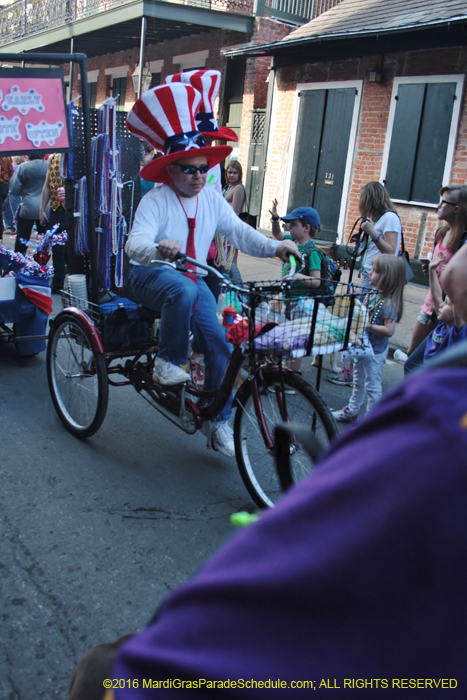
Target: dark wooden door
[321,150]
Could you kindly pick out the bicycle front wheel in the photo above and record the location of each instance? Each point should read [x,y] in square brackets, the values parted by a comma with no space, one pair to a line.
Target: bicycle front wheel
[284,398]
[77,377]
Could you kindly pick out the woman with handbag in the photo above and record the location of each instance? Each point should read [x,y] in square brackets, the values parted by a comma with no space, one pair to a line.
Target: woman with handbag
[452,210]
[383,230]
[383,226]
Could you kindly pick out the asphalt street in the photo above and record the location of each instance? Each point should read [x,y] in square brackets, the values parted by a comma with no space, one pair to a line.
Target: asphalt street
[95,533]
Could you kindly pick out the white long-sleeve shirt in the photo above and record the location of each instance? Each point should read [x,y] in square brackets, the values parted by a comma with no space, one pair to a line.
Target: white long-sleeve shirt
[160,215]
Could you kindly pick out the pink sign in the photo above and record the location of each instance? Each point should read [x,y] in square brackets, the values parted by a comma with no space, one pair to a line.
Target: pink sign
[32,111]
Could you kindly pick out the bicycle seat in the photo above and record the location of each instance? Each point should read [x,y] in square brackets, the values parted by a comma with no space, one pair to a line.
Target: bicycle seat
[147,314]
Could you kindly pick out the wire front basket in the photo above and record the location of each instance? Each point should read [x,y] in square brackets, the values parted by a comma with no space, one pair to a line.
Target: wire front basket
[92,310]
[119,322]
[275,320]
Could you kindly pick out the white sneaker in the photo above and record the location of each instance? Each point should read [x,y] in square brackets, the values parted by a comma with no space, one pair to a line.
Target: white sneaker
[168,374]
[221,437]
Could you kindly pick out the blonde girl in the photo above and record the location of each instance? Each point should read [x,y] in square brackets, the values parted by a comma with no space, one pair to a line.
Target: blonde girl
[388,276]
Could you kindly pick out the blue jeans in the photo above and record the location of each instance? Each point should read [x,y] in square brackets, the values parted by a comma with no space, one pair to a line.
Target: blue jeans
[415,360]
[367,373]
[15,201]
[8,216]
[184,306]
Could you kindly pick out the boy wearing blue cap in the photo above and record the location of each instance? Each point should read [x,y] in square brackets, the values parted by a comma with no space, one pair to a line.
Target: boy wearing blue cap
[304,224]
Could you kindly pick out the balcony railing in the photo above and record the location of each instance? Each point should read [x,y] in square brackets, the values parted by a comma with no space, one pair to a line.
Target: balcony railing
[25,17]
[28,17]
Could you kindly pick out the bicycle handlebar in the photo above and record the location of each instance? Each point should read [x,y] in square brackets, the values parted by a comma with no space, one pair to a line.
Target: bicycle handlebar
[181,258]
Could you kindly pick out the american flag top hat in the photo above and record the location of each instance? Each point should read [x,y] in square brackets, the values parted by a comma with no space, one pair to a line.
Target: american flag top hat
[208,83]
[165,117]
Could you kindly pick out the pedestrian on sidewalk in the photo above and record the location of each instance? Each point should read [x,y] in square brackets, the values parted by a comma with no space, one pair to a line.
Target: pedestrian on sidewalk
[449,330]
[383,231]
[28,182]
[388,276]
[6,173]
[52,211]
[452,209]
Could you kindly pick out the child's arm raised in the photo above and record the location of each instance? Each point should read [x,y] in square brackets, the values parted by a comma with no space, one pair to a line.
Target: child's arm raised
[277,232]
[435,287]
[458,320]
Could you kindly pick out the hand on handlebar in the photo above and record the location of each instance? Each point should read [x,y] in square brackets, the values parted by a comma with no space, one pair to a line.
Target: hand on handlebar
[169,249]
[287,248]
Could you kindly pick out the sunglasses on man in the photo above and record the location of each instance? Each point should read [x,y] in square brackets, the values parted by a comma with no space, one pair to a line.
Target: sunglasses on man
[192,169]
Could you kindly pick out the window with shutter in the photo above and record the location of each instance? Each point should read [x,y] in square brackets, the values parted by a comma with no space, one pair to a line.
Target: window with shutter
[422,128]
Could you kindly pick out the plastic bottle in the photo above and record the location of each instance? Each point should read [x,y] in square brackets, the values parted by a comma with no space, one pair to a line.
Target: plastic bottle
[221,304]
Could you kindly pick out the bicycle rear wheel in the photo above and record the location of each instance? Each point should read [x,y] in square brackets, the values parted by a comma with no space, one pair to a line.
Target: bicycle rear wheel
[77,377]
[284,398]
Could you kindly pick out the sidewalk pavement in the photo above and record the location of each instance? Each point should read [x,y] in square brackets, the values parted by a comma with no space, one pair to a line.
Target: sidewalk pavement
[414,294]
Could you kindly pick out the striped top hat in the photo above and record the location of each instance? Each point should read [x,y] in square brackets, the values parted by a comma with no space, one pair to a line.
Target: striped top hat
[208,83]
[165,117]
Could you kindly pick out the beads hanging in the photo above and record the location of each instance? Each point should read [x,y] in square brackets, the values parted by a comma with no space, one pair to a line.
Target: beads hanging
[111,227]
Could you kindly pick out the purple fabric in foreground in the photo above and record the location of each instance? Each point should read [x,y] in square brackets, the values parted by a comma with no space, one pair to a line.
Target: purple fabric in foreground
[359,573]
[442,338]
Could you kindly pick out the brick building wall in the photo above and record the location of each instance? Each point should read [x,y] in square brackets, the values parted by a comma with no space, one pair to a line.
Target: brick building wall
[419,222]
[257,71]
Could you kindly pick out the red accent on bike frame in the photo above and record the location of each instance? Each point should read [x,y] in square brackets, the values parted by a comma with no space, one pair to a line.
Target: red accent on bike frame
[96,337]
[268,441]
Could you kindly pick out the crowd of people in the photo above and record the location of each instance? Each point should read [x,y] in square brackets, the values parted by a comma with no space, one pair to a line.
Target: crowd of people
[33,198]
[357,569]
[360,569]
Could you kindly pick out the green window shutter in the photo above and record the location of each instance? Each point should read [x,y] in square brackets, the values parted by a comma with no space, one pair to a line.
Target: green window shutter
[307,148]
[405,131]
[433,143]
[419,141]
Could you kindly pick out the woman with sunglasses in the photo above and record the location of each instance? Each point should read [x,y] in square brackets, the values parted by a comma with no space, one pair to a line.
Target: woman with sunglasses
[452,210]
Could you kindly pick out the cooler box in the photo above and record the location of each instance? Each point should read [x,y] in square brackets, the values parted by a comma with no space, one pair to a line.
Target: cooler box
[17,309]
[29,318]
